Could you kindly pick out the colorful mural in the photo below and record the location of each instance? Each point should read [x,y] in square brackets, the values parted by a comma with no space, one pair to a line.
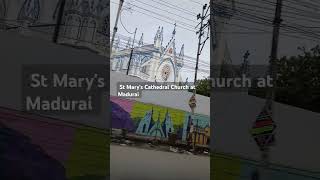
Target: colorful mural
[157,121]
[51,149]
[224,167]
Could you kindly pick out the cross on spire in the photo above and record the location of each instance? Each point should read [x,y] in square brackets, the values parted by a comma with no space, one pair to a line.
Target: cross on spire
[174,30]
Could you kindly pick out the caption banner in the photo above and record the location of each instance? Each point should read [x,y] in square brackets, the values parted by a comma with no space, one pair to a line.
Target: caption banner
[63,88]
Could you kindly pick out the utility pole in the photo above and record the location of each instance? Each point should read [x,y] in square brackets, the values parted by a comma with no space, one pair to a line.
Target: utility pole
[245,64]
[270,101]
[131,53]
[202,17]
[59,21]
[201,33]
[115,28]
[274,48]
[274,53]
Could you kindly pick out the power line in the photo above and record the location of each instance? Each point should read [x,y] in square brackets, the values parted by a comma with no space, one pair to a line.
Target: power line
[168,22]
[305,13]
[183,17]
[196,2]
[292,8]
[120,17]
[258,18]
[161,15]
[305,4]
[175,7]
[263,21]
[266,13]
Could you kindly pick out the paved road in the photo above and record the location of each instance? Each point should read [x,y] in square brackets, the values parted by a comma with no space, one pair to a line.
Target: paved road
[130,163]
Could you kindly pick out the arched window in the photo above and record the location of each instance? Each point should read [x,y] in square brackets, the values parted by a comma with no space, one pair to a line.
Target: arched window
[3,9]
[84,27]
[68,26]
[76,28]
[91,31]
[105,26]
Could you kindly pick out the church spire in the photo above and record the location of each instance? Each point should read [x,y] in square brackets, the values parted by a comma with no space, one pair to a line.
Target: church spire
[29,11]
[158,39]
[157,35]
[181,54]
[3,8]
[141,41]
[161,35]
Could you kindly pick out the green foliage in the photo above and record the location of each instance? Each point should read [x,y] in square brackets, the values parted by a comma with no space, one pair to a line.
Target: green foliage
[203,87]
[298,80]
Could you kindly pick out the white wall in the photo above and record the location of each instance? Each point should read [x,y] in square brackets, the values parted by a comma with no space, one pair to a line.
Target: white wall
[297,132]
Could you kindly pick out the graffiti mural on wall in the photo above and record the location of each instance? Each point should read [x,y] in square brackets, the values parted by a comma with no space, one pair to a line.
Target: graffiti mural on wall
[158,121]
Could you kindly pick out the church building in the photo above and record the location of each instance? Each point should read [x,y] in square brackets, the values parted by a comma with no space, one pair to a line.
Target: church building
[151,62]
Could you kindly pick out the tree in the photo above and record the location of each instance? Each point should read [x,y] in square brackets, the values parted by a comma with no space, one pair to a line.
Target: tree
[203,87]
[298,80]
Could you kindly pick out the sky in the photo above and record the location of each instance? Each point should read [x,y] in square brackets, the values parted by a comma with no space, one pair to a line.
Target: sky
[183,13]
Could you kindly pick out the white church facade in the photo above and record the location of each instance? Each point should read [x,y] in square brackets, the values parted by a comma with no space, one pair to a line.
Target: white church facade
[150,62]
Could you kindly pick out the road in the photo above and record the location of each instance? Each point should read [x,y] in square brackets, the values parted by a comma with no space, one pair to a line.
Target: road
[130,163]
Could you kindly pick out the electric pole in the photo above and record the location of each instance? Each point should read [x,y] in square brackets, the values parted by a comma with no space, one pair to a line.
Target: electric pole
[245,64]
[274,53]
[115,28]
[59,21]
[274,48]
[270,101]
[131,53]
[201,32]
[201,44]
